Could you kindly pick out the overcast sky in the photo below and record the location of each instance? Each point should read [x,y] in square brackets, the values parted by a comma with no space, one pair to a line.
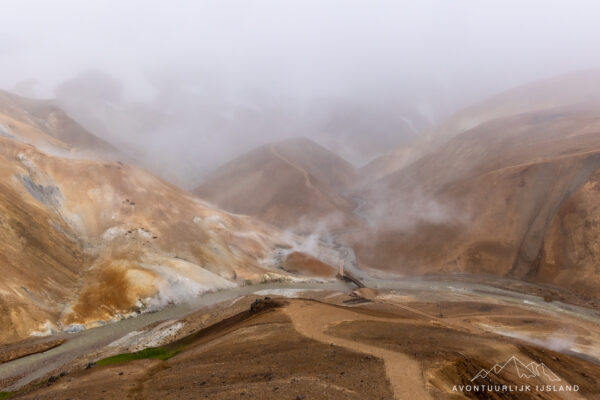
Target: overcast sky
[301,47]
[446,53]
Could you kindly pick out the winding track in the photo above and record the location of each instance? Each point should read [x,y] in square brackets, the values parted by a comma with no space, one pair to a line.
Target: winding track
[304,173]
[38,365]
[404,373]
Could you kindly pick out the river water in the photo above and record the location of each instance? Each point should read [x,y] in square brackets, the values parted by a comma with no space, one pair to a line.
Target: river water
[78,344]
[38,365]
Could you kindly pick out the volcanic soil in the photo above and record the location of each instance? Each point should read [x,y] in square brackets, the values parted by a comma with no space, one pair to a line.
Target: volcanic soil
[327,345]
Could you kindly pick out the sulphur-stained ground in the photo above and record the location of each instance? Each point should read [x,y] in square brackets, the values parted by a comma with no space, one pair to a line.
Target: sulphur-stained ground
[366,344]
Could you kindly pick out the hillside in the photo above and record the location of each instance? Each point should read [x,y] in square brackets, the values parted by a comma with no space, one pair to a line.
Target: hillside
[546,97]
[46,126]
[85,242]
[288,184]
[511,195]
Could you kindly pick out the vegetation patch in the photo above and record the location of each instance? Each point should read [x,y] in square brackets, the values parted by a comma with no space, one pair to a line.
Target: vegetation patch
[172,349]
[160,353]
[6,395]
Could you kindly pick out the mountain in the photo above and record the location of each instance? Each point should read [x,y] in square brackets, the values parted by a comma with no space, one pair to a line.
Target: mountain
[575,89]
[162,131]
[85,242]
[289,184]
[361,129]
[42,124]
[510,190]
[569,91]
[387,163]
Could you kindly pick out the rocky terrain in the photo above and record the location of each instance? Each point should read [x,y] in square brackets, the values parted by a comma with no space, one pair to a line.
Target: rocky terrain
[421,340]
[475,250]
[497,193]
[506,187]
[86,242]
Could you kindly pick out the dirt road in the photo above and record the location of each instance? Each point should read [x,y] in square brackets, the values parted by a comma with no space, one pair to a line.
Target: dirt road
[38,365]
[312,320]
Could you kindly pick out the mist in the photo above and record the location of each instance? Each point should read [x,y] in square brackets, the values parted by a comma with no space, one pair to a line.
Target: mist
[184,86]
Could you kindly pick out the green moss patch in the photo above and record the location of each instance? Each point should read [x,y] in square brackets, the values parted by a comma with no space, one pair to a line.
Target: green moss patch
[160,353]
[172,349]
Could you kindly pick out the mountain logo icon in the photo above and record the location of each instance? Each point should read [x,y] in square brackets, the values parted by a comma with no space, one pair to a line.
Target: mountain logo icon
[522,370]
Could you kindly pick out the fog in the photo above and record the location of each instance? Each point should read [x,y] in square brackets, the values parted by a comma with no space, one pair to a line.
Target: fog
[184,86]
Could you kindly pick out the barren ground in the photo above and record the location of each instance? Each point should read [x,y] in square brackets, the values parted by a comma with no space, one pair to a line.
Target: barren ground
[371,344]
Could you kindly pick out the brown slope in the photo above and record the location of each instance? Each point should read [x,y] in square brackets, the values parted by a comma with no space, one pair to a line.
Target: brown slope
[571,250]
[490,198]
[83,242]
[288,184]
[251,354]
[581,88]
[573,90]
[387,163]
[41,123]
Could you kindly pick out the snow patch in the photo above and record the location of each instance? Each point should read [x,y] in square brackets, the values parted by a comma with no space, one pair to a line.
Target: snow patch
[290,293]
[157,336]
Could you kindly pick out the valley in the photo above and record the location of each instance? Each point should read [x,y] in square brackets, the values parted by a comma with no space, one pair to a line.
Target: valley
[292,273]
[436,327]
